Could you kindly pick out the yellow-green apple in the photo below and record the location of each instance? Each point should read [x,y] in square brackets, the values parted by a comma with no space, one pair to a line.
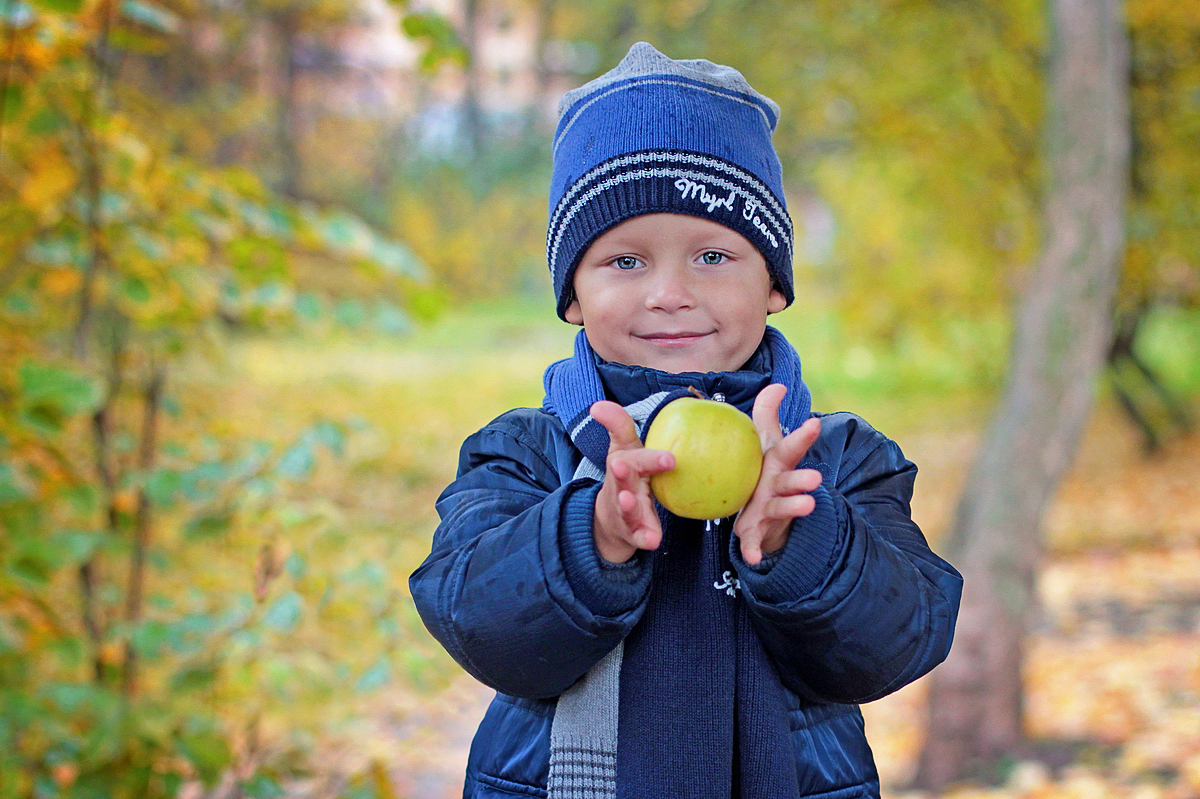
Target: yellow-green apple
[718,458]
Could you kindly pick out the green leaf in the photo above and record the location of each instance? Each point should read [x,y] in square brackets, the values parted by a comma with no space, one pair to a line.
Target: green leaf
[271,222]
[441,40]
[260,786]
[377,676]
[162,485]
[135,289]
[150,15]
[46,122]
[84,499]
[59,251]
[50,393]
[330,435]
[59,6]
[391,320]
[12,487]
[208,525]
[343,231]
[37,557]
[350,313]
[397,258]
[139,42]
[150,637]
[295,565]
[208,752]
[297,461]
[75,546]
[307,306]
[284,614]
[194,678]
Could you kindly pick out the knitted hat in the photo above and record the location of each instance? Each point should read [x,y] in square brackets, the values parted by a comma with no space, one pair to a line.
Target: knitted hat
[655,135]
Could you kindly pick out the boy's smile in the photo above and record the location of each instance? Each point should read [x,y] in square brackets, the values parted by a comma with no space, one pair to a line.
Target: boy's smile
[673,292]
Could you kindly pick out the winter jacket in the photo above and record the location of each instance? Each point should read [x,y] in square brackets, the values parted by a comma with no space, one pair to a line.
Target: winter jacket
[505,591]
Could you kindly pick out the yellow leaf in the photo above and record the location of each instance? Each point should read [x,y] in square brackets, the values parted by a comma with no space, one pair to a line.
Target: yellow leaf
[48,182]
[59,281]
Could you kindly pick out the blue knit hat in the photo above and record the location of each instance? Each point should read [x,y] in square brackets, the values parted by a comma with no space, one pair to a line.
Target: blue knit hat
[655,135]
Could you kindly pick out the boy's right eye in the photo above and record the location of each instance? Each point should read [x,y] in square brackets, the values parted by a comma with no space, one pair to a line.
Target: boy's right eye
[626,262]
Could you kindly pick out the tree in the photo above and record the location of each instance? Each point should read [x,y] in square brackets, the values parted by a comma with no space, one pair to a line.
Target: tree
[1062,330]
[121,263]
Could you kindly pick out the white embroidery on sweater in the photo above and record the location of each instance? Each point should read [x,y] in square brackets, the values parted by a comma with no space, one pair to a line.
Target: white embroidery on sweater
[729,583]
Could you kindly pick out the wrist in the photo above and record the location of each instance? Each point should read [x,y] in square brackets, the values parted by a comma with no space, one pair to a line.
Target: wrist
[776,537]
[611,548]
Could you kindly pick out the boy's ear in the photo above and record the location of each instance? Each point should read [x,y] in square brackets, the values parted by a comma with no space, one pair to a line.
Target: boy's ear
[776,302]
[573,313]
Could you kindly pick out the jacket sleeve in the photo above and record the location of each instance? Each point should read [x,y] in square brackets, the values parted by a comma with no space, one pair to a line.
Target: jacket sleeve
[856,605]
[513,588]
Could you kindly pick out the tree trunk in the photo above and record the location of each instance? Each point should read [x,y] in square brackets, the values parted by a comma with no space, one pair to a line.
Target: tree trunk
[286,28]
[1062,331]
[473,117]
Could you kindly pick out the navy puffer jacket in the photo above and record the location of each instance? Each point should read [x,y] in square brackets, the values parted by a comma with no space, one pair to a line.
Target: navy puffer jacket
[507,594]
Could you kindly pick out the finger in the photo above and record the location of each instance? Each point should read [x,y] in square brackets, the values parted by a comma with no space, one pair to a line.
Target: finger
[629,466]
[762,536]
[798,481]
[751,553]
[766,414]
[622,432]
[793,447]
[639,516]
[793,507]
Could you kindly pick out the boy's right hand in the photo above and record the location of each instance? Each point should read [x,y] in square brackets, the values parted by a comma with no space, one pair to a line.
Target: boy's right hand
[625,517]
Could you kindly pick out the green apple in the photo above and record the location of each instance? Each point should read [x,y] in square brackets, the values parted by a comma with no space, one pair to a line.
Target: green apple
[718,458]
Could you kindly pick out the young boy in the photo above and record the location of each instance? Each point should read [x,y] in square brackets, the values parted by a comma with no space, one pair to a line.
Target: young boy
[635,653]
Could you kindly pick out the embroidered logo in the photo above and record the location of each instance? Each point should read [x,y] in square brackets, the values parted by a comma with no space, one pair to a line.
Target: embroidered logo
[751,214]
[729,583]
[692,190]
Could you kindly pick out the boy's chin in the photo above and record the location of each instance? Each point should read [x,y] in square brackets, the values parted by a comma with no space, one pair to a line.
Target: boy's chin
[702,365]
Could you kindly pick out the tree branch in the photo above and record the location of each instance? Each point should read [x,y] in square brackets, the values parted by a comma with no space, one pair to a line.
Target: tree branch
[148,449]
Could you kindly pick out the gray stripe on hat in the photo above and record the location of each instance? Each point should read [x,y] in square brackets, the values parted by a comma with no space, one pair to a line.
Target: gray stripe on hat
[681,156]
[626,177]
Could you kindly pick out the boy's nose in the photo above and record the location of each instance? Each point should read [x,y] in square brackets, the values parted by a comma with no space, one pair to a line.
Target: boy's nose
[670,290]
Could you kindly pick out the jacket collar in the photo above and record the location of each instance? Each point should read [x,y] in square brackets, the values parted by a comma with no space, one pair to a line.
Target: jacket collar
[628,384]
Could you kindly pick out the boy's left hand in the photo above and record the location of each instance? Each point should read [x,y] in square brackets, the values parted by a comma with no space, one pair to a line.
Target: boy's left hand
[782,493]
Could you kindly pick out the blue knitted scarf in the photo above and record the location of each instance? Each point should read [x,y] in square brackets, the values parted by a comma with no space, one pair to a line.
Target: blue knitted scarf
[573,384]
[603,724]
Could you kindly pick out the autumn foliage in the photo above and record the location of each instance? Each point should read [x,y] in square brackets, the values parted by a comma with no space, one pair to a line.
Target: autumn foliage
[223,421]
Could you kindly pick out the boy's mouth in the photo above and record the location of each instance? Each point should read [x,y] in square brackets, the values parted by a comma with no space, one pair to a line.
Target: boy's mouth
[673,339]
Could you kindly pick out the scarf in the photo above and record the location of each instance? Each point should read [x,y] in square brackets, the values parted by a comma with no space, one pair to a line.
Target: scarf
[701,686]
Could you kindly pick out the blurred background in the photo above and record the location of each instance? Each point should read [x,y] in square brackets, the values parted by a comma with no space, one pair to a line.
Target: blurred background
[265,263]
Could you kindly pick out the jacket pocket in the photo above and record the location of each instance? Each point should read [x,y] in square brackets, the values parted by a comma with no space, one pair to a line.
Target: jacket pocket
[489,787]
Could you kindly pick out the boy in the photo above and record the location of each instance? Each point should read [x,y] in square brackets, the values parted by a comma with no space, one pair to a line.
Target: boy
[635,653]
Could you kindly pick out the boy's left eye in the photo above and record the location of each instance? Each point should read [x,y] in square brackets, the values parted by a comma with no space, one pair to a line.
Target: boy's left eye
[712,258]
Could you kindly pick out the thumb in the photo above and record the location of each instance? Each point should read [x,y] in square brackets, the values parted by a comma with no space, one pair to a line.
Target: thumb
[622,432]
[766,414]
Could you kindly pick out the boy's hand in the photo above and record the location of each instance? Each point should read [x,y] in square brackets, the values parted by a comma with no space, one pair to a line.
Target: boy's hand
[625,518]
[782,491]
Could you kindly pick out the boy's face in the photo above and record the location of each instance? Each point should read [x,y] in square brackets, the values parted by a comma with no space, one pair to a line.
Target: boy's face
[675,293]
